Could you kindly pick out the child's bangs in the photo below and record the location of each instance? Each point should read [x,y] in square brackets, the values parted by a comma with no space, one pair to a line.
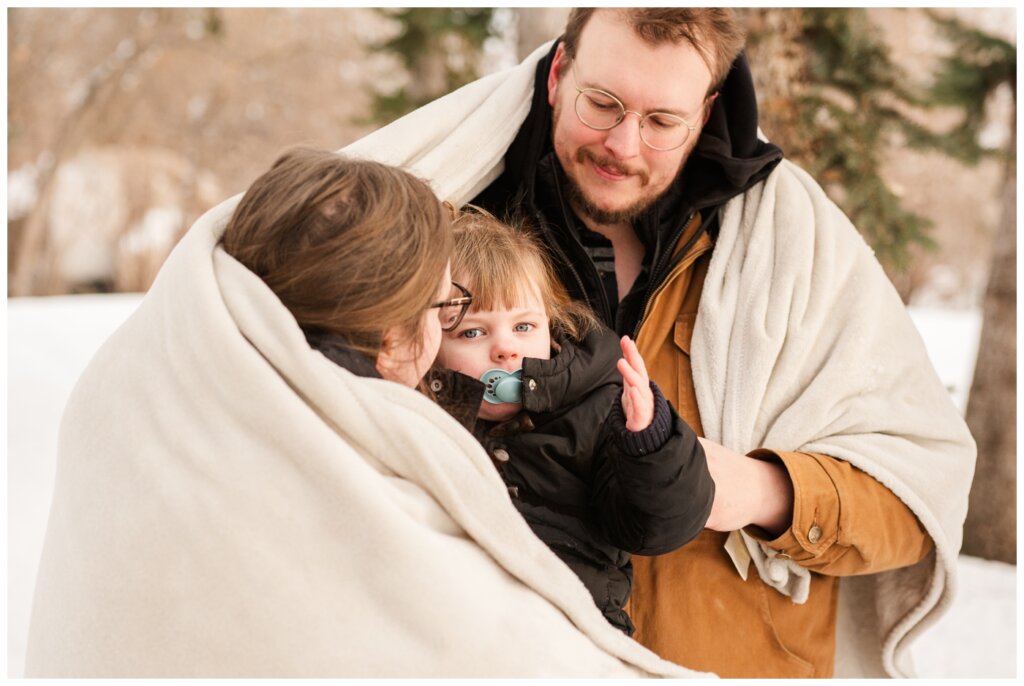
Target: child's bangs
[508,288]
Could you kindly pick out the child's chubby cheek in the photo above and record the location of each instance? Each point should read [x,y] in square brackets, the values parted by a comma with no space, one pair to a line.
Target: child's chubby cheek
[500,412]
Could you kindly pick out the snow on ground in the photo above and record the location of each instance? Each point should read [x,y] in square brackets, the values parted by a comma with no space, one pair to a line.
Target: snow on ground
[951,337]
[50,341]
[978,636]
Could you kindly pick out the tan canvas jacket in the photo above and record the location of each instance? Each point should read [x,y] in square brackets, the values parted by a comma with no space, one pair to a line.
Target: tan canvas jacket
[691,606]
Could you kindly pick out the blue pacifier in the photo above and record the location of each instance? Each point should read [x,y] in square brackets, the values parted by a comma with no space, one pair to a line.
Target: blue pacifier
[502,386]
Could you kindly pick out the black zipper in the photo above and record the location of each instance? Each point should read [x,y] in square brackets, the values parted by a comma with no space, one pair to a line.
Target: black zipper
[570,229]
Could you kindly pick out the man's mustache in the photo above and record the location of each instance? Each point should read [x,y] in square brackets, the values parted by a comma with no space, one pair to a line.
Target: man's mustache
[584,154]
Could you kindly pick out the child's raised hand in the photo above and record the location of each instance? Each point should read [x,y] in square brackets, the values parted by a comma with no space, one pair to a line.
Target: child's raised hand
[637,398]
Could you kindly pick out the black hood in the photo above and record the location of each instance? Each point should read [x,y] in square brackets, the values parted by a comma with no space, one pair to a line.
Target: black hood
[729,157]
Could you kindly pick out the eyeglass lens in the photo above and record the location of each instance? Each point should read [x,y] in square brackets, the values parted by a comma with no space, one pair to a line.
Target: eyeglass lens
[449,315]
[599,110]
[454,309]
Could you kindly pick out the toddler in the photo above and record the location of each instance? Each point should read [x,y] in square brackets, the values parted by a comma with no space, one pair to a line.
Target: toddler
[593,455]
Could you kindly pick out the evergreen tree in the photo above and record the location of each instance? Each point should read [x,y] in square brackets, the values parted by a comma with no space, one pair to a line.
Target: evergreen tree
[439,48]
[838,108]
[976,67]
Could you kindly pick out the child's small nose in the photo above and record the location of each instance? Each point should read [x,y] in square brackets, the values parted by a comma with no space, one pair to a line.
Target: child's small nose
[503,353]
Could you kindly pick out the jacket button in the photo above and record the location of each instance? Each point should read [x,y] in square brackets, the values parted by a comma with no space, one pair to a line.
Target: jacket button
[531,384]
[814,533]
[436,385]
[501,455]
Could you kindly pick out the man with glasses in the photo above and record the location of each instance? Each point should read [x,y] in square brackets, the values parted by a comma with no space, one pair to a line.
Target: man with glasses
[759,312]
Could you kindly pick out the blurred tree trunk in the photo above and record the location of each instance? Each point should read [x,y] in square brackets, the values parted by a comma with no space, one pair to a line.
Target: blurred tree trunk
[991,527]
[537,25]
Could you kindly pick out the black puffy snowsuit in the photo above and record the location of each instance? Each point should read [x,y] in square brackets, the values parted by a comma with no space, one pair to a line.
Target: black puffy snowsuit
[592,490]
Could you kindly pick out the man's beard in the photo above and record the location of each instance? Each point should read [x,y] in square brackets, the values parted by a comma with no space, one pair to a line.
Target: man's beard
[586,207]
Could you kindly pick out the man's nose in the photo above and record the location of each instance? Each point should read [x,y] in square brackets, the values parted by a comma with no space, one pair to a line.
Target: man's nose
[623,141]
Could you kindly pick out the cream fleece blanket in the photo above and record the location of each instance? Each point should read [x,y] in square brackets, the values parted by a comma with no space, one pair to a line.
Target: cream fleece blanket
[230,503]
[800,343]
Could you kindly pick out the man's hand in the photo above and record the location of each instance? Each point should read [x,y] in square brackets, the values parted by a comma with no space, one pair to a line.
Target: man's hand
[748,491]
[637,398]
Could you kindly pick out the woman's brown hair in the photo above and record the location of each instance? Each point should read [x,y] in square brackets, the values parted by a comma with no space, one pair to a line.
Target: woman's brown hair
[499,262]
[352,248]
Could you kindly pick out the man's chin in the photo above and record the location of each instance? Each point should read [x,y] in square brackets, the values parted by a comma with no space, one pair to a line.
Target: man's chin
[605,213]
[607,210]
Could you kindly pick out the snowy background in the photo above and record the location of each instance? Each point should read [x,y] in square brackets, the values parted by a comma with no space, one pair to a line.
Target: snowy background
[50,340]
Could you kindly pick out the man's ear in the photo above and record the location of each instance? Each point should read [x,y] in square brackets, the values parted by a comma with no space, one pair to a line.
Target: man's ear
[707,109]
[556,68]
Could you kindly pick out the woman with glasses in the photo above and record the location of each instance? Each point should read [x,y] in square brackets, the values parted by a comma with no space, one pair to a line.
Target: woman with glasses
[358,252]
[249,486]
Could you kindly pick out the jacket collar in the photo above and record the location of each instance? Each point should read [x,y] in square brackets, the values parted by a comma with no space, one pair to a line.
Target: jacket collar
[574,371]
[337,350]
[458,394]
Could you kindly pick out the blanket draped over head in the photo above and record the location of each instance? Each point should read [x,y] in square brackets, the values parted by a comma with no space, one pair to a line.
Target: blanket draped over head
[800,344]
[230,503]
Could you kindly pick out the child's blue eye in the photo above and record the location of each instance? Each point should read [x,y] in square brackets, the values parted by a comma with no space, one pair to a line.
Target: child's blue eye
[471,333]
[523,328]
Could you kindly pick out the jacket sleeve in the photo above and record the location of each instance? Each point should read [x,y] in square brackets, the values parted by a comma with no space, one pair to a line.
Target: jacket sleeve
[651,494]
[844,521]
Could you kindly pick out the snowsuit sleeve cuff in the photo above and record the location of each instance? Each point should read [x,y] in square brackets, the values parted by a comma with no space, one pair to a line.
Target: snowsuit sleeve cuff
[651,439]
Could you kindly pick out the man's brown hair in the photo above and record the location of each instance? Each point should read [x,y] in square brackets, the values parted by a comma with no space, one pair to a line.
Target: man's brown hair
[351,247]
[715,33]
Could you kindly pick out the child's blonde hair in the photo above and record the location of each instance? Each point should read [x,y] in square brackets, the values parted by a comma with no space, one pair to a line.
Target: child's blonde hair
[497,261]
